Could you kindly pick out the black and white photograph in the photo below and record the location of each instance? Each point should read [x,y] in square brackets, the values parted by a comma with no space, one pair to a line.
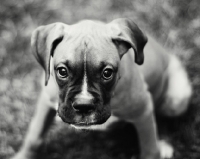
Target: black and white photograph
[99,79]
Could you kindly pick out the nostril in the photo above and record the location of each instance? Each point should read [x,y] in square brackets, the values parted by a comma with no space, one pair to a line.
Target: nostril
[83,108]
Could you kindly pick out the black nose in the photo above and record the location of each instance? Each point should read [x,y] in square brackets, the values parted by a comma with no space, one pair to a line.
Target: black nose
[83,105]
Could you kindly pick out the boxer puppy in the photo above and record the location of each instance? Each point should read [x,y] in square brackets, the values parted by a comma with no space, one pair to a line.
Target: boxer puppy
[93,70]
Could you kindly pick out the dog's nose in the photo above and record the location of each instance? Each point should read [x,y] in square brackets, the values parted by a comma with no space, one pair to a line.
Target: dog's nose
[83,105]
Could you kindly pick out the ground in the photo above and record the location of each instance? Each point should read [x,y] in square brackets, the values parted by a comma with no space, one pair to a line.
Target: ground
[174,23]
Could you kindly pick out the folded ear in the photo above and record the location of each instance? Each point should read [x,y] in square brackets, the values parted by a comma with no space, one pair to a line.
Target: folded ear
[43,42]
[126,35]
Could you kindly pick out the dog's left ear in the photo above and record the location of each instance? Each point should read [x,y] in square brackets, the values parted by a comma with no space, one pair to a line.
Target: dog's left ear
[126,35]
[43,42]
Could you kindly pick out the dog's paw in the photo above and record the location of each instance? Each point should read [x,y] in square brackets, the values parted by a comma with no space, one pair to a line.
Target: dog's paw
[24,155]
[19,156]
[166,150]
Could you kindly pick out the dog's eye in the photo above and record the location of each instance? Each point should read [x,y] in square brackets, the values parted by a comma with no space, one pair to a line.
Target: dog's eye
[62,72]
[107,74]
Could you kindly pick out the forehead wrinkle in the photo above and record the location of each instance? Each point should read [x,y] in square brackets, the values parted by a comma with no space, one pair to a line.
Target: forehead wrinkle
[86,48]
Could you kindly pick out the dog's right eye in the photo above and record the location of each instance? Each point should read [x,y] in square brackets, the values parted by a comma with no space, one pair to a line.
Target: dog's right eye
[62,72]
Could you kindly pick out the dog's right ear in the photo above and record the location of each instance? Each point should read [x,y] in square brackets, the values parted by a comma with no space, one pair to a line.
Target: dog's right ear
[43,42]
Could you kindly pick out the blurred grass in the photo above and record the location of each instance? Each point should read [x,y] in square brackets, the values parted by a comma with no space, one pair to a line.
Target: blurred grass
[175,23]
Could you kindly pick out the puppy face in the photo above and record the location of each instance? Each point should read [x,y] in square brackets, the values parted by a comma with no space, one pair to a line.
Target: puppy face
[86,71]
[86,59]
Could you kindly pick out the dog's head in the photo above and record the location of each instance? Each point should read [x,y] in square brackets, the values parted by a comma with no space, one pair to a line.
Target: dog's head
[86,57]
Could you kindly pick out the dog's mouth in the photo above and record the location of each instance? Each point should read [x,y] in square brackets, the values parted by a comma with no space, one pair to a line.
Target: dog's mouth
[83,119]
[85,123]
[89,126]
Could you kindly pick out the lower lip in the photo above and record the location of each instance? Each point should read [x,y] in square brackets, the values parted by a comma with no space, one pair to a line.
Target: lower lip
[87,127]
[83,124]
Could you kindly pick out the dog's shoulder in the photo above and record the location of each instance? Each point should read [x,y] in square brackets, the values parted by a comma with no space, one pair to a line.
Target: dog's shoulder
[156,61]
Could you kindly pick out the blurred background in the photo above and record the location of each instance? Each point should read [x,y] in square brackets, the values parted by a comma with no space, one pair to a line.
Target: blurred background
[176,25]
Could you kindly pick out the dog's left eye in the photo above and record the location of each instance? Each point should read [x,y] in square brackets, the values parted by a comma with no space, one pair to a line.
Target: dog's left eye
[62,72]
[107,74]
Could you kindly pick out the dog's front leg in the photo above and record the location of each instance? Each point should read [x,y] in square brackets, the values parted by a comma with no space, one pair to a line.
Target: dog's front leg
[40,123]
[147,133]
